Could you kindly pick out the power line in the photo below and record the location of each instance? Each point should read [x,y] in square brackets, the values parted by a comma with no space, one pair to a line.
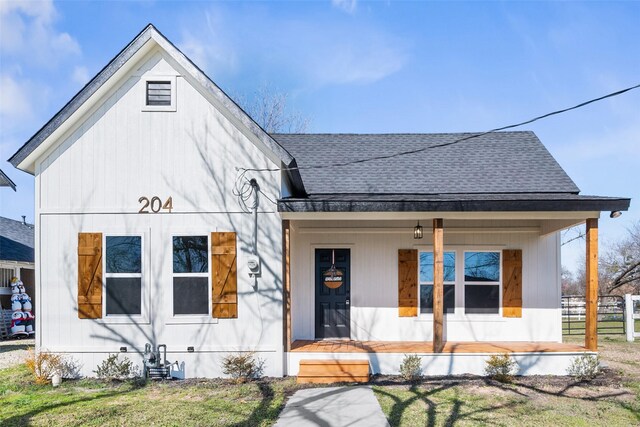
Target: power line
[445,144]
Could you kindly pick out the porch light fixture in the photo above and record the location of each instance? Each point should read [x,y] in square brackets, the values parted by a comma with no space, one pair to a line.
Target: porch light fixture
[417,231]
[615,214]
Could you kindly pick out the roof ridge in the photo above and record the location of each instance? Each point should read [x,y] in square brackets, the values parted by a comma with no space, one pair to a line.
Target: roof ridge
[398,133]
[15,220]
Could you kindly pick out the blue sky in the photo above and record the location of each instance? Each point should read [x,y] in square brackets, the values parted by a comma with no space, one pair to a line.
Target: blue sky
[354,66]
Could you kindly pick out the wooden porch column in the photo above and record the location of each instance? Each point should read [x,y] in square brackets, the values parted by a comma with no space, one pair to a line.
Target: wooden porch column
[438,285]
[591,327]
[286,283]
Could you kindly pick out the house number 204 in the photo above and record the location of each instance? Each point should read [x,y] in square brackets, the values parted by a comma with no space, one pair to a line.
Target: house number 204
[154,205]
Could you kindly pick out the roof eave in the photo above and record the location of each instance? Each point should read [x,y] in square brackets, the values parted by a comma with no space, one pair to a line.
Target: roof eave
[25,158]
[575,205]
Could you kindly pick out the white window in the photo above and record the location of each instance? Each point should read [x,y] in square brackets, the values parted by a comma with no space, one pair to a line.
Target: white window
[159,93]
[123,275]
[191,275]
[426,282]
[482,282]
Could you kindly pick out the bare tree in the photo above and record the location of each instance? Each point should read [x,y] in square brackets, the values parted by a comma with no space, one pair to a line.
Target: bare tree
[572,234]
[620,263]
[572,284]
[268,107]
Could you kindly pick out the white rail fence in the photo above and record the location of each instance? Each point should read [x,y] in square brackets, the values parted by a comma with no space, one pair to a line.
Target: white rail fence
[632,312]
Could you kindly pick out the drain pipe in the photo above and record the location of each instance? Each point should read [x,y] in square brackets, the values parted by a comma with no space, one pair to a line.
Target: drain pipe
[254,260]
[256,188]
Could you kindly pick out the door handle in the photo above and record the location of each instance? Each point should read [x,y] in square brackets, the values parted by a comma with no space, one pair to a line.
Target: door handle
[347,302]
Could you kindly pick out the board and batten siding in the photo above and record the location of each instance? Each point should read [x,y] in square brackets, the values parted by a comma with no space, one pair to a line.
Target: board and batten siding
[120,153]
[374,285]
[91,182]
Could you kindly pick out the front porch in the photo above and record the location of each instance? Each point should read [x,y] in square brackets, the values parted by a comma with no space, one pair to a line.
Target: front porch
[476,288]
[456,357]
[426,347]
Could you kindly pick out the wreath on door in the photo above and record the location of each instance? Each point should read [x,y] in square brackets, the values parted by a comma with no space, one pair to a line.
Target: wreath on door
[333,277]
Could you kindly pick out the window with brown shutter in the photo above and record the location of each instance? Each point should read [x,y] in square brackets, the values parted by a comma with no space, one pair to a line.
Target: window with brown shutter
[407,282]
[512,283]
[89,275]
[224,275]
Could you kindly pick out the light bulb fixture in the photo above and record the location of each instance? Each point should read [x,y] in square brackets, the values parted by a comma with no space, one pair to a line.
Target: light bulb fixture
[417,231]
[615,214]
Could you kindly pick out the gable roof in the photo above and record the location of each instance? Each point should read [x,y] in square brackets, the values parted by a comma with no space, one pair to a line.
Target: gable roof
[501,162]
[16,241]
[499,171]
[5,181]
[21,159]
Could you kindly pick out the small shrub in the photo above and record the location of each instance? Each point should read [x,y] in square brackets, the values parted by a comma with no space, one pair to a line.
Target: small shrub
[243,366]
[114,369]
[501,367]
[70,368]
[411,367]
[585,367]
[44,365]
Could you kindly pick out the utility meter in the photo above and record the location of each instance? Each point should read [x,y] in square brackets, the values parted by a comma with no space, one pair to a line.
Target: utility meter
[253,262]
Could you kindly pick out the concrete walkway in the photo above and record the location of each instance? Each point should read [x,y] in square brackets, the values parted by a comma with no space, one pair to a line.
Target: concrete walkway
[333,407]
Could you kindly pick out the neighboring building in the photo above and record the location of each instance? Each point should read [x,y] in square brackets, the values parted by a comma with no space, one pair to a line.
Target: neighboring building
[166,215]
[16,257]
[5,181]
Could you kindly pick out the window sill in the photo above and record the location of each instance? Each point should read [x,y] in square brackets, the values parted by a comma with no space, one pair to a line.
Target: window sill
[489,318]
[123,320]
[192,320]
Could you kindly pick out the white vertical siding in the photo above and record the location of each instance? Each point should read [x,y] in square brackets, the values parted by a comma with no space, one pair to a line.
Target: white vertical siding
[91,182]
[374,286]
[120,153]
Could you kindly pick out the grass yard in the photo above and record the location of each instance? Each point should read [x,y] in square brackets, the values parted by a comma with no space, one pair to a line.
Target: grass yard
[94,403]
[610,400]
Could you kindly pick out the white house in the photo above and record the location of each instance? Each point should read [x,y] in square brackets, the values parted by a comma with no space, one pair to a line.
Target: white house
[166,215]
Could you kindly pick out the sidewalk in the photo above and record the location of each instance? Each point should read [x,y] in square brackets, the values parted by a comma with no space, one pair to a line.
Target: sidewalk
[333,407]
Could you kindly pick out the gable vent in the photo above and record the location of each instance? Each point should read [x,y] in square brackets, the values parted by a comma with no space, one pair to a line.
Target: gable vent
[159,93]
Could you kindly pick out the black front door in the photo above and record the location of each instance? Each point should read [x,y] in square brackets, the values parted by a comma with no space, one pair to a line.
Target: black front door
[332,293]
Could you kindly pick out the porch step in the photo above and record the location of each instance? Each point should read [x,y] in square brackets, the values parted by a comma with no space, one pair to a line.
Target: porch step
[333,371]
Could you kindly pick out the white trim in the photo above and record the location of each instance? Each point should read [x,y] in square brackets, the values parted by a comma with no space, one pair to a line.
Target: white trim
[160,77]
[429,316]
[425,216]
[144,316]
[191,318]
[409,230]
[75,120]
[115,348]
[17,265]
[497,283]
[459,314]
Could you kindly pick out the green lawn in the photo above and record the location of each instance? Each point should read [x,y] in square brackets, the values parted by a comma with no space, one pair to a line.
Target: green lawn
[611,400]
[94,403]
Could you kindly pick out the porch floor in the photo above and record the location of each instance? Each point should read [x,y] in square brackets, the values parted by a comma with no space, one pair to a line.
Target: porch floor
[349,346]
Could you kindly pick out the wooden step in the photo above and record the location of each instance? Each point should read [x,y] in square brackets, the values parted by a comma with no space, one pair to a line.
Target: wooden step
[333,371]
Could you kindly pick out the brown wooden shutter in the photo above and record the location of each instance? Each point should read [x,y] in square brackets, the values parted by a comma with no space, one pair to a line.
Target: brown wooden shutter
[224,275]
[89,275]
[407,282]
[512,283]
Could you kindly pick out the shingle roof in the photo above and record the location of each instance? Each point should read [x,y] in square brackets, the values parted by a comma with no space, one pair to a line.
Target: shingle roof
[501,162]
[16,241]
[5,181]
